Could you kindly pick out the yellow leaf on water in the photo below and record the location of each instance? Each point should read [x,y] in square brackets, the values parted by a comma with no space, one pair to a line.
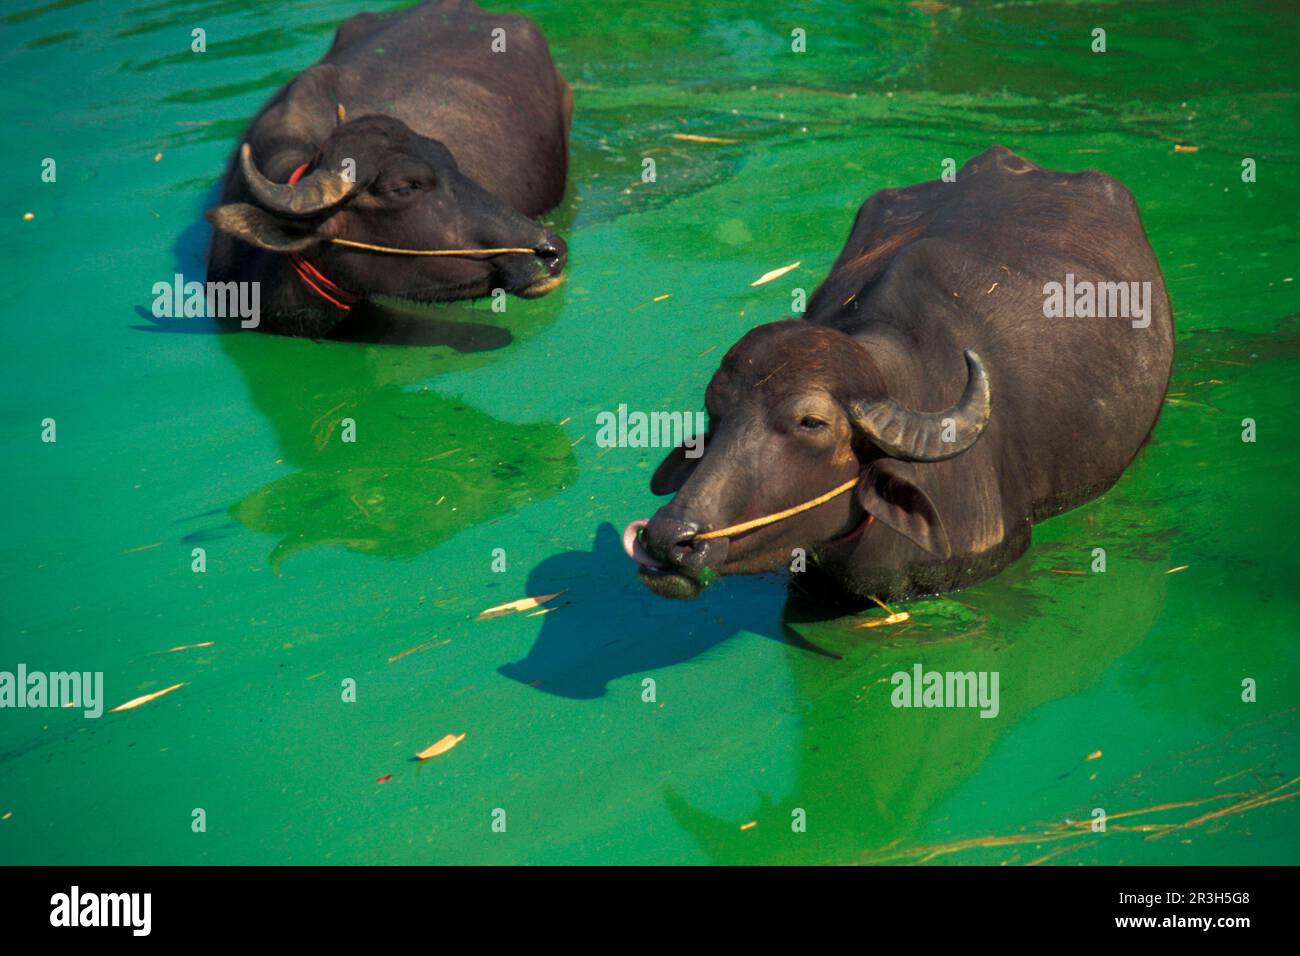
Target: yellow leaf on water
[692,138]
[143,547]
[138,701]
[893,618]
[896,618]
[513,607]
[418,647]
[441,747]
[774,274]
[186,647]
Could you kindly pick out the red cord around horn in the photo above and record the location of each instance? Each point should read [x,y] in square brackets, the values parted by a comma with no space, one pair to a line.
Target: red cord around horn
[313,278]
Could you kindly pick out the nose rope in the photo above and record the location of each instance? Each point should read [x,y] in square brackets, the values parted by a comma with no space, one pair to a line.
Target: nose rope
[341,298]
[431,252]
[778,516]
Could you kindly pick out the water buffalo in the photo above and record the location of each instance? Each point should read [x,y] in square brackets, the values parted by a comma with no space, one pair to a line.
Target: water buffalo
[441,127]
[969,367]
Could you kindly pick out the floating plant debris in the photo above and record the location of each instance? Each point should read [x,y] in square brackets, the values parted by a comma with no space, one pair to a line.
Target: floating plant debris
[441,747]
[139,701]
[514,607]
[893,618]
[774,274]
[693,138]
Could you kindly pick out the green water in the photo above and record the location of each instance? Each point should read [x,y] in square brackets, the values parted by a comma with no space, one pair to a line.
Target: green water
[325,559]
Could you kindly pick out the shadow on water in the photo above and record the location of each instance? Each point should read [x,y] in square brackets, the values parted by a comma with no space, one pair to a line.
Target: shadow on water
[578,653]
[868,775]
[189,255]
[423,466]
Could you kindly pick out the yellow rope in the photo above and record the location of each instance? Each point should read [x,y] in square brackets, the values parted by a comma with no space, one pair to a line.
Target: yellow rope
[429,252]
[780,515]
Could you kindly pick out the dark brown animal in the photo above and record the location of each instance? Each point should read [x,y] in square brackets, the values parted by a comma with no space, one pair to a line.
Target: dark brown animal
[441,127]
[932,372]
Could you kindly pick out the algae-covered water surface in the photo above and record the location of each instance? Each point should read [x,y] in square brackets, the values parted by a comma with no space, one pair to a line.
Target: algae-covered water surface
[311,606]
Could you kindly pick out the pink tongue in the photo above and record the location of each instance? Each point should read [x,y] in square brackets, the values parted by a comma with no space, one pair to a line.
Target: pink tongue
[632,545]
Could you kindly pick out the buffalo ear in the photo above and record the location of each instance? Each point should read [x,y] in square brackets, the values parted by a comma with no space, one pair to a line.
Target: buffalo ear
[263,229]
[887,490]
[672,472]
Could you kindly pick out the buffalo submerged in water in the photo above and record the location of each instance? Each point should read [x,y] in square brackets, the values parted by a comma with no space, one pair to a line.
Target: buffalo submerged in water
[439,128]
[985,353]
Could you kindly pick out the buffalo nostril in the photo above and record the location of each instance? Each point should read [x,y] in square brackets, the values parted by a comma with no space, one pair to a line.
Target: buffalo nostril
[551,254]
[669,539]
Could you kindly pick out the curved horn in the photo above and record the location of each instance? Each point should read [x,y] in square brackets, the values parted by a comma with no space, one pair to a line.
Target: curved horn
[919,436]
[312,195]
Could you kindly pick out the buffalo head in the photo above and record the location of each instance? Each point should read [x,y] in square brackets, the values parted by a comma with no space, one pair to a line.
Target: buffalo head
[376,181]
[795,410]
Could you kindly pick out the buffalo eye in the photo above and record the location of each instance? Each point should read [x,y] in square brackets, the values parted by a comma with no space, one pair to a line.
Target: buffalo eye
[404,189]
[811,424]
